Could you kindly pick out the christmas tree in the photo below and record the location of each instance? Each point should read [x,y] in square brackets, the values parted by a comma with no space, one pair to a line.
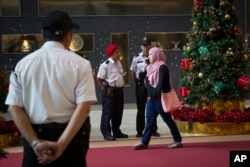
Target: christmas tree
[213,78]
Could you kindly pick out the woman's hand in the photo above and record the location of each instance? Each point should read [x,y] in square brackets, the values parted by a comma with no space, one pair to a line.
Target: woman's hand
[145,65]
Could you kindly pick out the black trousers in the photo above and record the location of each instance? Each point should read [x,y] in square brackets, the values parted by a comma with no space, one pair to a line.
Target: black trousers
[141,98]
[75,153]
[112,112]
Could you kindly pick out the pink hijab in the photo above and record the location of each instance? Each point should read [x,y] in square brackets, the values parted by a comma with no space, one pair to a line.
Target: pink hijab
[159,59]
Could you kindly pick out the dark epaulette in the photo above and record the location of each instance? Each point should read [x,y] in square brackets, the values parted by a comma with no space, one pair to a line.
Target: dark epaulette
[13,67]
[107,61]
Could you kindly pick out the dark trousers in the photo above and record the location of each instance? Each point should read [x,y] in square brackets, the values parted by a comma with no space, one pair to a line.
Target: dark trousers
[154,107]
[141,98]
[112,112]
[75,153]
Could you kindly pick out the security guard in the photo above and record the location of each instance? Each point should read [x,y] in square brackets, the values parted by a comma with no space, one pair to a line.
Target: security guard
[110,78]
[140,89]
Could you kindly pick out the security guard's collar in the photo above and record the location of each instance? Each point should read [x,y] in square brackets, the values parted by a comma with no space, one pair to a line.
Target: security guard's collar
[111,60]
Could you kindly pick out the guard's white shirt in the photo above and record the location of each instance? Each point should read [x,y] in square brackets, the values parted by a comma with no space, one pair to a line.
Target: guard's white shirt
[112,72]
[50,82]
[138,63]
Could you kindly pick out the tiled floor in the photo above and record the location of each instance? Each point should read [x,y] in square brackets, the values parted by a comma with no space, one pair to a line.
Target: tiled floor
[128,122]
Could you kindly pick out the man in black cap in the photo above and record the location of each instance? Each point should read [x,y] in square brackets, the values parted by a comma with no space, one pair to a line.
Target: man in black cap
[136,69]
[50,95]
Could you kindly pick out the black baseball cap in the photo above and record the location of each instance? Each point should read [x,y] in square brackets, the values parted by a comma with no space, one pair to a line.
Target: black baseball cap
[146,41]
[59,22]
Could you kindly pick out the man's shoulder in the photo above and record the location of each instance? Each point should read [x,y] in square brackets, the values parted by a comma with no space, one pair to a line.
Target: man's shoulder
[136,57]
[28,57]
[107,62]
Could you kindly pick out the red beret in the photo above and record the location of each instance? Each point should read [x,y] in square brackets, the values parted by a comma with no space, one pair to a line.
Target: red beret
[111,49]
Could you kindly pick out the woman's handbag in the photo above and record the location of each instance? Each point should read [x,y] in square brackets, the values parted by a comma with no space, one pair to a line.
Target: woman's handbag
[170,101]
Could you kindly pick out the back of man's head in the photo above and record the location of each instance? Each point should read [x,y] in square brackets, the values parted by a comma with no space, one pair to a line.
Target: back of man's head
[56,25]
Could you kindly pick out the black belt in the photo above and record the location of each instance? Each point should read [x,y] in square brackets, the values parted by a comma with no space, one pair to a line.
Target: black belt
[116,88]
[52,125]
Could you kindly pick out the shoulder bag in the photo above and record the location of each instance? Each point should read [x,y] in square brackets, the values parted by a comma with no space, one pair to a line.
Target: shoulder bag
[170,101]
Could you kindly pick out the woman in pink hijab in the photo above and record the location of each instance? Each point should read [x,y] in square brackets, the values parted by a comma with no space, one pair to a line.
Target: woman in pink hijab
[157,81]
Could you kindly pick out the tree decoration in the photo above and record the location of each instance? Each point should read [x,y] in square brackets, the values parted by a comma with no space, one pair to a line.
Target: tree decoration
[200,75]
[195,24]
[237,30]
[197,3]
[218,86]
[185,63]
[245,57]
[205,103]
[188,49]
[183,91]
[227,16]
[230,52]
[243,81]
[203,50]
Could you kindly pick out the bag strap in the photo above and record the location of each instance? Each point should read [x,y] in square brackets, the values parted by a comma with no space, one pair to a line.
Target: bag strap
[170,83]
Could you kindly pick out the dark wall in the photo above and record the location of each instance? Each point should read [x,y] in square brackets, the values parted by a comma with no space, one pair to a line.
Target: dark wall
[102,27]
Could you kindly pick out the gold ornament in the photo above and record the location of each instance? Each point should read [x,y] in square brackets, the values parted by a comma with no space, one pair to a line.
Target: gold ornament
[200,75]
[245,57]
[188,49]
[222,3]
[199,14]
[195,24]
[233,8]
[227,16]
[205,58]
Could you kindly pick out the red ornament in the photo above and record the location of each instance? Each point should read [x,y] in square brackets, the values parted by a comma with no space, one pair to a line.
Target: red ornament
[197,3]
[243,81]
[183,91]
[185,63]
[237,30]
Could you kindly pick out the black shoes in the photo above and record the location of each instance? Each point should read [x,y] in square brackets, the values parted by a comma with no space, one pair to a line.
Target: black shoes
[112,138]
[138,135]
[156,134]
[140,146]
[109,138]
[121,135]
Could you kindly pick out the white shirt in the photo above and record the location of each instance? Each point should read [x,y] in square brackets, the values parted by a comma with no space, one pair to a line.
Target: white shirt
[50,82]
[137,64]
[112,72]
